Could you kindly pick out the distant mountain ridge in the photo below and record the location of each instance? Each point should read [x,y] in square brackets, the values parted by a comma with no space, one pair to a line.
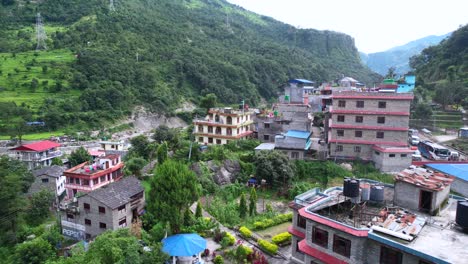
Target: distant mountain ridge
[399,56]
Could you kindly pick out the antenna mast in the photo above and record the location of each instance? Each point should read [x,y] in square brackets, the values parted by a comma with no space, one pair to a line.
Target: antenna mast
[111,5]
[40,33]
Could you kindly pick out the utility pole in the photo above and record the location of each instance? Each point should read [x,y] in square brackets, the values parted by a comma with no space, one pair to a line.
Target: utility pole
[40,33]
[192,139]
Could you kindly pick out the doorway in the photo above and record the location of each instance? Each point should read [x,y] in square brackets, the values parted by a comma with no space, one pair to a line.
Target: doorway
[425,201]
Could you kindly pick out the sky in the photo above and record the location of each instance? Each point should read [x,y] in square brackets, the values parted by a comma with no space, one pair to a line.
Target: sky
[375,25]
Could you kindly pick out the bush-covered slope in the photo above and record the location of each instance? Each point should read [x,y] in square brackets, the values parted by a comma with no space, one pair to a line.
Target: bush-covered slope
[158,53]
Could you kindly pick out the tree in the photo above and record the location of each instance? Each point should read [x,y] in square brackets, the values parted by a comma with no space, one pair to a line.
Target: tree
[242,206]
[57,161]
[198,211]
[253,202]
[34,84]
[18,129]
[274,167]
[162,153]
[79,156]
[165,134]
[209,101]
[188,220]
[133,166]
[44,69]
[390,73]
[139,147]
[173,189]
[40,206]
[36,251]
[114,247]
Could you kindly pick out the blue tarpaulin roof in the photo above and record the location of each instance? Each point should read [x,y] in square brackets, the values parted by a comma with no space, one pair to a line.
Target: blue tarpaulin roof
[298,134]
[300,81]
[454,169]
[184,245]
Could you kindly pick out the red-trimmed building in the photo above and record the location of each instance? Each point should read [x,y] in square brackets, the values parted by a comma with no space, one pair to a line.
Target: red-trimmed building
[223,125]
[87,176]
[370,126]
[37,154]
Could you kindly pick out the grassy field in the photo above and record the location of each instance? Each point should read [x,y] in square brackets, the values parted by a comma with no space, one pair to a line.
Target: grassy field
[36,136]
[274,230]
[459,143]
[49,67]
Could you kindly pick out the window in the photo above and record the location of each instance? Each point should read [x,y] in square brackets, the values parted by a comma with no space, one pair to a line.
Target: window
[87,207]
[342,246]
[267,125]
[359,119]
[381,119]
[380,134]
[86,182]
[391,155]
[210,140]
[200,139]
[382,104]
[320,237]
[87,222]
[358,133]
[210,129]
[102,225]
[70,216]
[357,149]
[297,246]
[266,137]
[123,222]
[339,148]
[229,120]
[341,103]
[340,118]
[87,236]
[377,153]
[423,262]
[340,133]
[218,141]
[301,221]
[122,209]
[102,210]
[45,180]
[218,131]
[360,104]
[200,129]
[294,155]
[403,155]
[390,256]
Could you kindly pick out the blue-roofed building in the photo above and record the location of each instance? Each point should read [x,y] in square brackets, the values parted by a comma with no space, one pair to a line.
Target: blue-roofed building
[408,86]
[459,171]
[294,143]
[297,91]
[301,81]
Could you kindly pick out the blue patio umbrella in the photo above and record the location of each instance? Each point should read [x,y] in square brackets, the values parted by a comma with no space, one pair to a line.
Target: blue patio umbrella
[184,245]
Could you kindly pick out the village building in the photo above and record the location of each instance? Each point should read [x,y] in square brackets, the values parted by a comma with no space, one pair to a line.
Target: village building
[295,144]
[458,170]
[370,126]
[364,221]
[89,176]
[223,125]
[37,154]
[50,179]
[114,206]
[112,145]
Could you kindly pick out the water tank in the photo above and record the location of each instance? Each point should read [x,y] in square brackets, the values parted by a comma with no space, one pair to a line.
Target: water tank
[377,193]
[351,188]
[462,214]
[365,192]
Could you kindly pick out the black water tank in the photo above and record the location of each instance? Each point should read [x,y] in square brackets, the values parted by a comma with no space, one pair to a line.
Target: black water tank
[462,214]
[351,188]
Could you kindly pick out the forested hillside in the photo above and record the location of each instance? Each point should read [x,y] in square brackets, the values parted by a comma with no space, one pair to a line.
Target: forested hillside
[153,53]
[443,69]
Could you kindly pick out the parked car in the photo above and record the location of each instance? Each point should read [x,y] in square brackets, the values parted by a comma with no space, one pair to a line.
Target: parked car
[412,132]
[413,140]
[416,156]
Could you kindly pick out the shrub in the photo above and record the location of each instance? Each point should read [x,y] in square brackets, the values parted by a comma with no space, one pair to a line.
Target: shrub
[242,252]
[218,260]
[245,232]
[281,238]
[230,238]
[278,219]
[267,246]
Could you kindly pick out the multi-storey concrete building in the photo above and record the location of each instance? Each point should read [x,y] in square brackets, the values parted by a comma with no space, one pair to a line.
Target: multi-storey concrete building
[50,179]
[370,126]
[223,125]
[89,176]
[110,208]
[329,227]
[37,154]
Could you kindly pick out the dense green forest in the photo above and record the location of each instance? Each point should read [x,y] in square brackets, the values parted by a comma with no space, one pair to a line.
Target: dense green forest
[156,54]
[442,72]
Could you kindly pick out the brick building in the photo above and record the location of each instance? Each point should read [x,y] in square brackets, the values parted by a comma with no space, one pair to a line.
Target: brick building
[370,126]
[37,154]
[89,176]
[223,125]
[115,206]
[329,227]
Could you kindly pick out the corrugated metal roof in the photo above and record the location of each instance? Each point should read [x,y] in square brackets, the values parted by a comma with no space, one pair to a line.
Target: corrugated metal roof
[117,193]
[457,170]
[38,146]
[265,146]
[300,81]
[298,134]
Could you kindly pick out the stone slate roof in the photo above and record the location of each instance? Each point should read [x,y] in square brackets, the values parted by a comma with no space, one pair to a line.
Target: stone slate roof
[117,193]
[52,171]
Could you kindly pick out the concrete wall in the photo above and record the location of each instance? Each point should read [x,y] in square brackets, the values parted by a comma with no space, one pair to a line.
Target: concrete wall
[440,198]
[371,135]
[371,120]
[406,195]
[348,151]
[38,185]
[460,186]
[296,256]
[373,254]
[385,163]
[373,104]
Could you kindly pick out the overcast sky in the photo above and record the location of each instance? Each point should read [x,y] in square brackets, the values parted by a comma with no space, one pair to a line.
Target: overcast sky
[375,25]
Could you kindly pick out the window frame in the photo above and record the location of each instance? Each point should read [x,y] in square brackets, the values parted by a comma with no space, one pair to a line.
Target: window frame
[102,225]
[360,104]
[357,149]
[382,104]
[301,220]
[323,242]
[87,222]
[381,120]
[341,103]
[346,251]
[379,134]
[339,148]
[386,252]
[359,119]
[102,210]
[340,118]
[358,133]
[340,132]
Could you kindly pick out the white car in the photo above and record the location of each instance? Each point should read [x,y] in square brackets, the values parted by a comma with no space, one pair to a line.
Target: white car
[413,140]
[416,156]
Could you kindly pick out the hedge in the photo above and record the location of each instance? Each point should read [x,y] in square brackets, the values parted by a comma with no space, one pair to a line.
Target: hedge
[278,219]
[218,260]
[267,246]
[245,232]
[232,239]
[281,238]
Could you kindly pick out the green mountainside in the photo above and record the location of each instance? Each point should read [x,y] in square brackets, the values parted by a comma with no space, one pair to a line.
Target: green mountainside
[101,63]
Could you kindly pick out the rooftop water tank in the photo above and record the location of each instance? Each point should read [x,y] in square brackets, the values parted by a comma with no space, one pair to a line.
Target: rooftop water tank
[377,193]
[365,192]
[351,187]
[462,215]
